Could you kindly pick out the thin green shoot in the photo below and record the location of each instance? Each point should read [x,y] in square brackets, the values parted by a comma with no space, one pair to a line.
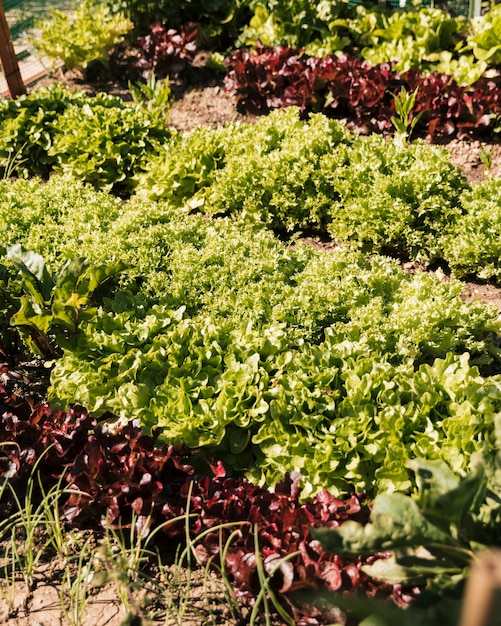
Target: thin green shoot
[217,565]
[73,591]
[223,552]
[122,564]
[405,119]
[8,584]
[485,155]
[179,586]
[122,558]
[13,162]
[25,524]
[266,594]
[154,95]
[172,588]
[58,538]
[189,551]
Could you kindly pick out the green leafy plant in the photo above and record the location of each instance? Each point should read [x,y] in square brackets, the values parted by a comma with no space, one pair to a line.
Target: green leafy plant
[295,23]
[293,175]
[26,129]
[405,119]
[23,526]
[410,39]
[74,590]
[266,407]
[438,519]
[465,68]
[472,246]
[485,156]
[101,139]
[105,141]
[10,347]
[434,536]
[258,348]
[50,307]
[84,37]
[154,95]
[485,36]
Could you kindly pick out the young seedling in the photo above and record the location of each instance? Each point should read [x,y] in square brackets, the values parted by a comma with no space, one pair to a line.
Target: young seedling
[122,558]
[9,576]
[25,525]
[56,531]
[74,589]
[13,162]
[154,95]
[485,155]
[266,593]
[405,119]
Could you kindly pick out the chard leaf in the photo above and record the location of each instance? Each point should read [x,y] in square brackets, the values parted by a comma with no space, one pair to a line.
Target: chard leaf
[445,499]
[409,569]
[37,279]
[31,315]
[77,281]
[397,523]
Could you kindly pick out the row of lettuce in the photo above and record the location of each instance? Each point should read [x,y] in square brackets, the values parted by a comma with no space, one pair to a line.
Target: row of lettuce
[288,561]
[269,355]
[428,39]
[267,358]
[371,98]
[345,60]
[283,172]
[143,265]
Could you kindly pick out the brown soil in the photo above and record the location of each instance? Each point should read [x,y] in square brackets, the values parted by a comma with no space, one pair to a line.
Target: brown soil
[61,594]
[40,605]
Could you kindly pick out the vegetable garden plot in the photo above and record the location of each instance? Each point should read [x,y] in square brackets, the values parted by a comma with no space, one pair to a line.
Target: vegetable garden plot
[270,358]
[264,354]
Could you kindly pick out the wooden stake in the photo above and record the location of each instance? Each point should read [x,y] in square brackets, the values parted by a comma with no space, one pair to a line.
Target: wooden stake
[8,58]
[482,599]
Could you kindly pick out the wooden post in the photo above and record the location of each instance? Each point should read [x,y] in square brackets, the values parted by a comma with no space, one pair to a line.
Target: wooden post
[482,598]
[8,58]
[474,9]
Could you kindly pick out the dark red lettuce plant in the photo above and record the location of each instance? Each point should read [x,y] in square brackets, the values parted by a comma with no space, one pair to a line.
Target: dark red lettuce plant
[348,88]
[449,109]
[166,51]
[121,476]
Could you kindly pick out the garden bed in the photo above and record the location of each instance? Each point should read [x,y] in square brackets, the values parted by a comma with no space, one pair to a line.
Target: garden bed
[201,100]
